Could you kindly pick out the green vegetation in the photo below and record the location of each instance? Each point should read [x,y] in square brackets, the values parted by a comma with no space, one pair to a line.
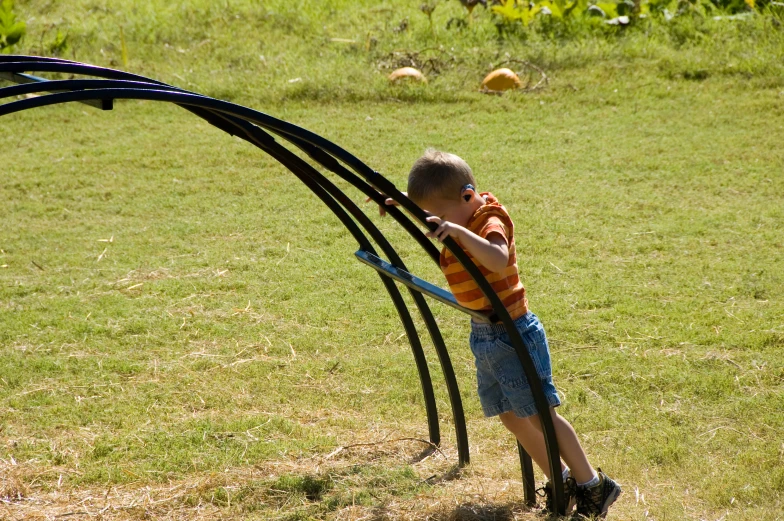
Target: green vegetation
[11,31]
[566,16]
[185,332]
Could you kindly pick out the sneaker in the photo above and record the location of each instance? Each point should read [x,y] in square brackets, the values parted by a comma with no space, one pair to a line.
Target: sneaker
[593,502]
[570,495]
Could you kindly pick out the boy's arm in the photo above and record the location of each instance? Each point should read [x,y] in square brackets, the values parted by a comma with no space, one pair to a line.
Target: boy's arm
[492,252]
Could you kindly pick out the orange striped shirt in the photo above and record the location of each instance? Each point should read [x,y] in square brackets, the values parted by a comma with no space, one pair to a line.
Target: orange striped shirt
[489,218]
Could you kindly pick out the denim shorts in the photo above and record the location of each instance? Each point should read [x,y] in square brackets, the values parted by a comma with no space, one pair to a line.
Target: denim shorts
[501,382]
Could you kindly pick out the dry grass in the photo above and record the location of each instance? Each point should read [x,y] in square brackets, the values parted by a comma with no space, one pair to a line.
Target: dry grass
[447,496]
[489,489]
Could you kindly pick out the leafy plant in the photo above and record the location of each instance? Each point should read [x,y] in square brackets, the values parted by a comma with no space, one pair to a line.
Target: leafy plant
[559,18]
[512,17]
[559,9]
[11,31]
[513,12]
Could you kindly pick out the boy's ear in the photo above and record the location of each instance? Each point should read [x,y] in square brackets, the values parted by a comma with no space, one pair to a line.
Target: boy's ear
[467,192]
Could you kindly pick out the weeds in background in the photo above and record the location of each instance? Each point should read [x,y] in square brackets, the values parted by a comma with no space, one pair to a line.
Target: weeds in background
[11,31]
[581,14]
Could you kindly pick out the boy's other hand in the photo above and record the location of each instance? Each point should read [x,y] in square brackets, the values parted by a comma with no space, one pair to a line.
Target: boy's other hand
[444,230]
[389,201]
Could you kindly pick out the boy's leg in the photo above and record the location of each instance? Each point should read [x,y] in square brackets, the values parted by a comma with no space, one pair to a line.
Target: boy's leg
[530,438]
[532,441]
[598,491]
[569,445]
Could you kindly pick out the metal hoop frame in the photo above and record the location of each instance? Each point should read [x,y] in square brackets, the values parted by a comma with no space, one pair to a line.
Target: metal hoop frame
[257,128]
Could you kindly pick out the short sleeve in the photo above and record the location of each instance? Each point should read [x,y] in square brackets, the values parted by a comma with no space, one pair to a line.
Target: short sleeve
[494,224]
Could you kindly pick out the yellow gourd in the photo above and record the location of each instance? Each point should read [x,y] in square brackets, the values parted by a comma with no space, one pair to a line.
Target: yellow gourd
[500,80]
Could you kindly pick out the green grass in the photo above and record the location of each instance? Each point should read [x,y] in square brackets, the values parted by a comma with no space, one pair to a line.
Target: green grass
[176,312]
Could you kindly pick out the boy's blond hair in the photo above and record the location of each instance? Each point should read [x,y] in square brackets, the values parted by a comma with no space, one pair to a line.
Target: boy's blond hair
[438,175]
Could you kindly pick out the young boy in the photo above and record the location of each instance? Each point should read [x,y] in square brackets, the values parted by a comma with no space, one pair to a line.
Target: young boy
[444,186]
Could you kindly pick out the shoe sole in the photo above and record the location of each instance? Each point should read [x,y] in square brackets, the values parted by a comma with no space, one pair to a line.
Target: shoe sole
[609,501]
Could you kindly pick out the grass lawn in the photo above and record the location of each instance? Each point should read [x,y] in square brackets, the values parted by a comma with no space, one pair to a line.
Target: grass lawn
[185,332]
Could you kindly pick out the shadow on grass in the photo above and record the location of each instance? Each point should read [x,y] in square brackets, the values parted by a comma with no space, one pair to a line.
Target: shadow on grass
[484,512]
[454,472]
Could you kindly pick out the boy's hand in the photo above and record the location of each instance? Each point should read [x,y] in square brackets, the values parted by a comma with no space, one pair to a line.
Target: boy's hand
[389,201]
[445,229]
[491,252]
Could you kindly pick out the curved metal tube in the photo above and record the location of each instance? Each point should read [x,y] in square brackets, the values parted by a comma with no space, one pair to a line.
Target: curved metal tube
[232,126]
[259,138]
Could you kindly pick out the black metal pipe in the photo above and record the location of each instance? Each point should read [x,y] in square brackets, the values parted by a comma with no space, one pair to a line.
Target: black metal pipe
[72,68]
[332,164]
[529,486]
[74,85]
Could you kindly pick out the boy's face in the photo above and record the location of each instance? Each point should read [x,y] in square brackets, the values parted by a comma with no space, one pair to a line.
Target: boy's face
[455,211]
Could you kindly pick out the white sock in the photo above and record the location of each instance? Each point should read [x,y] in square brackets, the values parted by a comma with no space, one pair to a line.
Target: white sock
[590,483]
[565,473]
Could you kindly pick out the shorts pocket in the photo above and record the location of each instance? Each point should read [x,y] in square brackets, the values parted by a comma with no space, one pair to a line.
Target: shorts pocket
[505,344]
[507,368]
[536,345]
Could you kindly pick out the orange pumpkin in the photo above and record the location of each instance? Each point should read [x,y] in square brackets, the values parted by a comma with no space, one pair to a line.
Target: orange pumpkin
[500,80]
[407,73]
